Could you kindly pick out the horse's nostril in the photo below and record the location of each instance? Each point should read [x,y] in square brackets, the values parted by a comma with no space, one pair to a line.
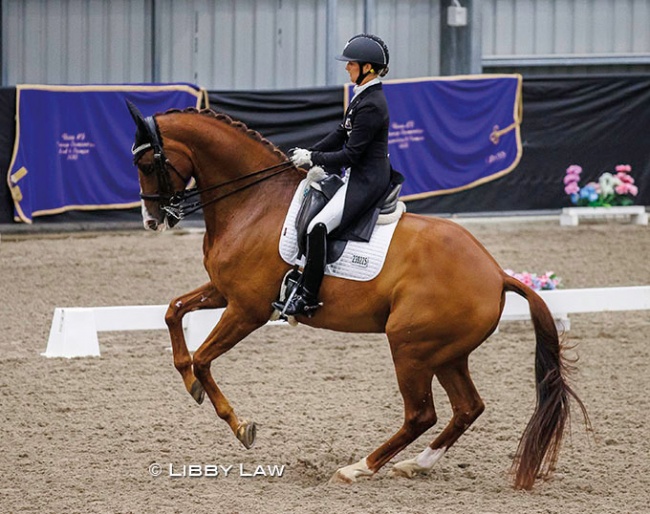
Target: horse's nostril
[152,224]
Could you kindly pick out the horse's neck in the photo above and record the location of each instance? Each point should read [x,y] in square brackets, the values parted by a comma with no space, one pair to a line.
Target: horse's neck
[258,207]
[247,208]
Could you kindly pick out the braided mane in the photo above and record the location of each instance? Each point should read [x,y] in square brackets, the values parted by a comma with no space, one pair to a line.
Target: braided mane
[224,118]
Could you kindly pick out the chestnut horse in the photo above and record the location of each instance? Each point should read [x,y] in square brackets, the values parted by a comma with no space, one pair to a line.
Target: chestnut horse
[439,295]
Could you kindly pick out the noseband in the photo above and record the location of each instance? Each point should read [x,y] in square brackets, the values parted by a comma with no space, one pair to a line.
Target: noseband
[176,204]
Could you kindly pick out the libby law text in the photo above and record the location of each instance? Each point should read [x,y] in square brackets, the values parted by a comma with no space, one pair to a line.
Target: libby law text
[215,470]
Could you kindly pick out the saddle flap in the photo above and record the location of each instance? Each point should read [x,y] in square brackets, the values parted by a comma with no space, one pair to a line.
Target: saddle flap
[359,261]
[316,197]
[328,186]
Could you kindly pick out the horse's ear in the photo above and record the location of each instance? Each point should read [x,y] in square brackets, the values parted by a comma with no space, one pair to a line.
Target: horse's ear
[137,117]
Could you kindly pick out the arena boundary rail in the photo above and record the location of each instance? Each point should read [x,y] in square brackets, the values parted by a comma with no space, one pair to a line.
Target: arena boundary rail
[74,330]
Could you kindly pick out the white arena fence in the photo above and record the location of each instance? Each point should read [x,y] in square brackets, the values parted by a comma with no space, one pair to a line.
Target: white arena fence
[74,329]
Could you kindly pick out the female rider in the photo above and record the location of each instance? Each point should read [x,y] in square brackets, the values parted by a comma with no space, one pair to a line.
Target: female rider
[359,144]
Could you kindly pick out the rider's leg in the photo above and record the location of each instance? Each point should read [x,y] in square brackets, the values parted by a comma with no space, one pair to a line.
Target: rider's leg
[305,299]
[331,214]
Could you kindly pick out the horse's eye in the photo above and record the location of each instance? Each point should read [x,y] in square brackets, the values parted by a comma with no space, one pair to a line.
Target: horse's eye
[146,169]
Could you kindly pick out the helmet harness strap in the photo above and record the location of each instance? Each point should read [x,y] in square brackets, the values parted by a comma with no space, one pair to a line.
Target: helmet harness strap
[362,76]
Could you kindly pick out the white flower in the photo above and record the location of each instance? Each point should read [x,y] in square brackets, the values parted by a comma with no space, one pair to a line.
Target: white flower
[607,183]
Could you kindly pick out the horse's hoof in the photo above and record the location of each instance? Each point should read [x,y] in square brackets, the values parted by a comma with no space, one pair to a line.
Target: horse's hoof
[197,392]
[408,468]
[339,478]
[401,472]
[246,433]
[351,473]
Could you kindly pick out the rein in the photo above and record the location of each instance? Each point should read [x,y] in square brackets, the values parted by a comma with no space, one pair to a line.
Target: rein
[177,207]
[173,203]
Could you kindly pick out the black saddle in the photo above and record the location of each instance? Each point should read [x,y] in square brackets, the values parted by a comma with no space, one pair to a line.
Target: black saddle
[322,192]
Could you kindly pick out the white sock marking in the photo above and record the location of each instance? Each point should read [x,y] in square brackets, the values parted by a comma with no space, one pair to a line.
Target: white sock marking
[429,457]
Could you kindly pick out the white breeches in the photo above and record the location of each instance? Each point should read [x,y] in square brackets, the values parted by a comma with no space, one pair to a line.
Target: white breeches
[332,213]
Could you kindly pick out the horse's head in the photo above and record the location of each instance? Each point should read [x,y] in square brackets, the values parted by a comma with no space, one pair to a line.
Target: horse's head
[163,173]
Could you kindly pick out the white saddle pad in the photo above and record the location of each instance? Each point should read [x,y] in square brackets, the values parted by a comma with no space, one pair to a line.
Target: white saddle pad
[360,261]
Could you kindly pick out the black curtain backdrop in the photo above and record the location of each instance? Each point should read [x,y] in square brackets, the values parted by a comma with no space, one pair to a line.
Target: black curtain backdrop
[7,136]
[596,122]
[291,118]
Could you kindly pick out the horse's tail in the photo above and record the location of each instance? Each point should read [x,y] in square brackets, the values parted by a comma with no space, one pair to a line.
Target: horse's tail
[540,443]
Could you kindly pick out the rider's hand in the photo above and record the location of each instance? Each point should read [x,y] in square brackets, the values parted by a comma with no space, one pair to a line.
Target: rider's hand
[301,157]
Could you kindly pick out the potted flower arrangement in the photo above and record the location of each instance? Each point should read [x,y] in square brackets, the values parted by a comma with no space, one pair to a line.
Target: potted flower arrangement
[612,189]
[546,282]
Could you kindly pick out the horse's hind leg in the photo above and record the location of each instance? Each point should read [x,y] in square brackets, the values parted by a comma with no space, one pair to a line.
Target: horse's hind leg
[204,297]
[414,382]
[466,405]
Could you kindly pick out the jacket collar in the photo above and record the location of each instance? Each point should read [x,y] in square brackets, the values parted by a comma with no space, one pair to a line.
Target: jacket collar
[360,89]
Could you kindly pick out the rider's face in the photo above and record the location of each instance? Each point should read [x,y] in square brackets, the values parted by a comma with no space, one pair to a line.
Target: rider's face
[353,70]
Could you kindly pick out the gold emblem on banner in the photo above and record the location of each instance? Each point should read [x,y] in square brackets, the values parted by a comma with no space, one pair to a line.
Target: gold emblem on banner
[15,177]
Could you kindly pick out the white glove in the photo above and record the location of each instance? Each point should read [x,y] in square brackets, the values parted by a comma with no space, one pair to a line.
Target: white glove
[315,174]
[301,157]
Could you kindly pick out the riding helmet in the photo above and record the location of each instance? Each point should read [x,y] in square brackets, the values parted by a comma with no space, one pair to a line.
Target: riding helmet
[366,48]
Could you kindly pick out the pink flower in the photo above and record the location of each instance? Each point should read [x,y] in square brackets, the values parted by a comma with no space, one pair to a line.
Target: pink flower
[623,168]
[572,188]
[574,169]
[625,188]
[537,282]
[570,177]
[624,177]
[526,279]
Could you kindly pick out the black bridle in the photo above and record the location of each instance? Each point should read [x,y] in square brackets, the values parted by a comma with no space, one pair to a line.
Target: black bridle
[176,203]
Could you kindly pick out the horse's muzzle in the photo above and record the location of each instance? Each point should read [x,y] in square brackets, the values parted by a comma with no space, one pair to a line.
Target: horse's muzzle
[155,223]
[151,224]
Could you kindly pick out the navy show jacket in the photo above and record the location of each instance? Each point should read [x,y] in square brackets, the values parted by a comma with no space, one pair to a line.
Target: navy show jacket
[361,144]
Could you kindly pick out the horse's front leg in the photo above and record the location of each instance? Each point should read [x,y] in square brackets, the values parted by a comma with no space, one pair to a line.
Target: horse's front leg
[204,297]
[235,324]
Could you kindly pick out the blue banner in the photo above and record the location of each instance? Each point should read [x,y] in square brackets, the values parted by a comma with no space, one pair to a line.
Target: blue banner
[450,134]
[72,148]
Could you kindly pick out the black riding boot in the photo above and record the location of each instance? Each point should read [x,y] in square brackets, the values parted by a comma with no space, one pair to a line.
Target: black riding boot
[305,299]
